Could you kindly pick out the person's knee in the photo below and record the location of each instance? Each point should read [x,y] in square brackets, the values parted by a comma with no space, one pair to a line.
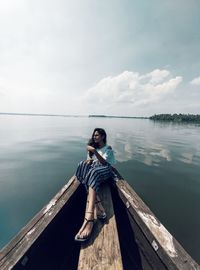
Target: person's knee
[93,188]
[95,174]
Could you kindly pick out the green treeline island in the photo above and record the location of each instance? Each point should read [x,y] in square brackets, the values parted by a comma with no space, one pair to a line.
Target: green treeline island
[194,118]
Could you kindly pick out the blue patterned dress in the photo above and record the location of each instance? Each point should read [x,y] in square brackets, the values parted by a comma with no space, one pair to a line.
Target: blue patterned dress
[94,174]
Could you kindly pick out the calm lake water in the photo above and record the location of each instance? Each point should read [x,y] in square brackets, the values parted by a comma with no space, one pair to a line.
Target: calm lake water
[161,161]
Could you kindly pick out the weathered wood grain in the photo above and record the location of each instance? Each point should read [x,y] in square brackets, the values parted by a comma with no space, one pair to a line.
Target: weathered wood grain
[102,252]
[137,241]
[16,249]
[165,246]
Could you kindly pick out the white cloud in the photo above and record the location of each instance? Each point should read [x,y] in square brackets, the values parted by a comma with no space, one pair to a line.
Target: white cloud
[156,76]
[51,52]
[196,81]
[133,88]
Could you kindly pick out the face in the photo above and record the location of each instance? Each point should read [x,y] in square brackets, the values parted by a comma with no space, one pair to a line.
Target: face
[97,137]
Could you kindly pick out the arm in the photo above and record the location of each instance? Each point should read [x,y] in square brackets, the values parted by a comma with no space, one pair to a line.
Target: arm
[99,157]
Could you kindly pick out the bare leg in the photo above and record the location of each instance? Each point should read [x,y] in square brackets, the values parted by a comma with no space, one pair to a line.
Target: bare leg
[99,207]
[86,228]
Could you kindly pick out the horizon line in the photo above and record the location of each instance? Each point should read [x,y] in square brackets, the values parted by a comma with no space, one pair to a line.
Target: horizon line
[71,115]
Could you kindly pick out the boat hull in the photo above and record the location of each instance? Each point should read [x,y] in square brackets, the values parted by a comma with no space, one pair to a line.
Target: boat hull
[47,241]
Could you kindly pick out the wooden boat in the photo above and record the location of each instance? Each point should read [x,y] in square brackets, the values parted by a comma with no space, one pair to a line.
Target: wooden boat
[131,237]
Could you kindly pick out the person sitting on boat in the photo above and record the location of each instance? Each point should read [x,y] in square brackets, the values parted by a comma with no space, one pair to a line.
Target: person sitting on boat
[93,172]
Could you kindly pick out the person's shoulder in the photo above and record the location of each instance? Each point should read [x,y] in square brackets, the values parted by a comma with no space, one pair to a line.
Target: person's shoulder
[109,147]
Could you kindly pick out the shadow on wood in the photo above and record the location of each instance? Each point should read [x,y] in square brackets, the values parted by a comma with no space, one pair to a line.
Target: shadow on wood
[102,251]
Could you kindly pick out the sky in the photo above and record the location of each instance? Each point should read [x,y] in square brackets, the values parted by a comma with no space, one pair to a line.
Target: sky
[130,57]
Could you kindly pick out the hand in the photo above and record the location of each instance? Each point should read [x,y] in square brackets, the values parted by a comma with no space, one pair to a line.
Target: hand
[91,148]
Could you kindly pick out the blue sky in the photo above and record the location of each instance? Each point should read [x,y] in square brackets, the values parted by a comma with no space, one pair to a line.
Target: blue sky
[111,57]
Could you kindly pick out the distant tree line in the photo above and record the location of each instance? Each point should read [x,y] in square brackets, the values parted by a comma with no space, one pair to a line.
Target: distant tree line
[177,117]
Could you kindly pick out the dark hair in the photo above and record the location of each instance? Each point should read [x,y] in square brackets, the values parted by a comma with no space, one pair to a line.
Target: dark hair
[91,141]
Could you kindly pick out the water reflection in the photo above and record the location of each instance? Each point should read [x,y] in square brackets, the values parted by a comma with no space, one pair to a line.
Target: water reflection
[38,154]
[153,147]
[141,149]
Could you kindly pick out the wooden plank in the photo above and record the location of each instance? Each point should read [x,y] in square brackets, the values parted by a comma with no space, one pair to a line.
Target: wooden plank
[170,252]
[148,256]
[133,241]
[102,251]
[16,249]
